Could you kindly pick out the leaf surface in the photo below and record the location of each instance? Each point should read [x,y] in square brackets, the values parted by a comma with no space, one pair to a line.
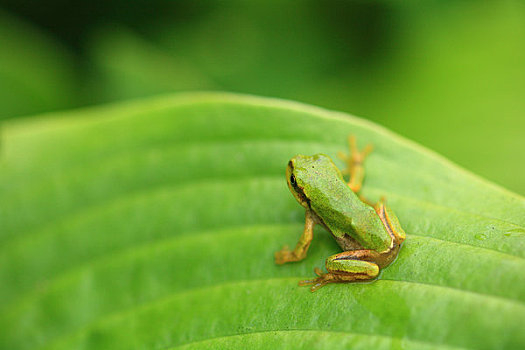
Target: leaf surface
[152,224]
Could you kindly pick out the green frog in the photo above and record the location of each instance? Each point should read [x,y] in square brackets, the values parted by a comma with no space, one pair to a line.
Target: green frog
[370,235]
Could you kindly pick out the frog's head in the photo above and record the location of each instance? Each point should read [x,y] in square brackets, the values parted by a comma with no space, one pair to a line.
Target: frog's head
[305,174]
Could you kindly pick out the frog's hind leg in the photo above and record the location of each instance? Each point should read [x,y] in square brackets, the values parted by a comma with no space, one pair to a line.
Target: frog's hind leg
[350,266]
[354,163]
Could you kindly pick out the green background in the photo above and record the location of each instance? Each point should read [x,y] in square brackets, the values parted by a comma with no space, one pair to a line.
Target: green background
[450,75]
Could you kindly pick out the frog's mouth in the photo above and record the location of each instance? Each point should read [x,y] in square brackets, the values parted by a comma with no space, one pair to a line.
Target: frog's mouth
[296,190]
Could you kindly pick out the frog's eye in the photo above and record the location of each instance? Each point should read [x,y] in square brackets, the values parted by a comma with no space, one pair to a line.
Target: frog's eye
[292,180]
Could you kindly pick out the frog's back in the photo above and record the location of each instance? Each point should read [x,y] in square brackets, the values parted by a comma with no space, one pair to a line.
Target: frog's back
[340,209]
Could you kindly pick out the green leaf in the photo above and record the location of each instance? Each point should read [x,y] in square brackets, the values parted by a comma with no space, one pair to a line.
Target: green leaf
[153,224]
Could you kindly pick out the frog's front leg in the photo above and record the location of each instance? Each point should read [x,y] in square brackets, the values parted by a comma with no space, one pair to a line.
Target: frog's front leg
[354,161]
[299,253]
[350,266]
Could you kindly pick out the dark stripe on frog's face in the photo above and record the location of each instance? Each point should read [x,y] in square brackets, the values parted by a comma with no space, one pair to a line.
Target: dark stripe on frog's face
[296,190]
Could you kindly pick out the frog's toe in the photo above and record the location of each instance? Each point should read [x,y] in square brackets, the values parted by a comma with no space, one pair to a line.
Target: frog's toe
[306,282]
[318,282]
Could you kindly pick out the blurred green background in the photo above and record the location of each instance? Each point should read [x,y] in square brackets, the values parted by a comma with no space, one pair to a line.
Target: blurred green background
[447,74]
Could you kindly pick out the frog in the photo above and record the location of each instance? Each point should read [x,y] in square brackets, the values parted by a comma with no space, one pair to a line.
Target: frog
[369,234]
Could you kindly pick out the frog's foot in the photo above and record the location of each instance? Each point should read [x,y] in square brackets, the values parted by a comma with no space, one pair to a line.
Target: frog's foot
[354,163]
[329,277]
[320,281]
[286,255]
